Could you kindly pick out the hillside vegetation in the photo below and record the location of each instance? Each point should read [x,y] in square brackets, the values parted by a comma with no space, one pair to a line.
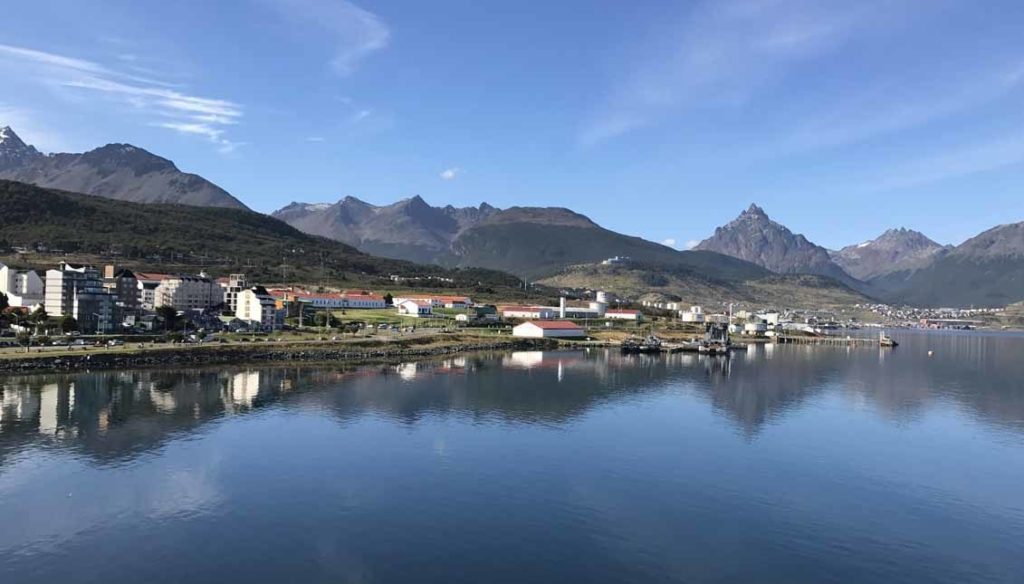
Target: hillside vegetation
[219,238]
[637,279]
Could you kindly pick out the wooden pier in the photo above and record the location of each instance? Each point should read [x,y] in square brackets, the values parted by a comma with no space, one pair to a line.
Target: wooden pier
[834,341]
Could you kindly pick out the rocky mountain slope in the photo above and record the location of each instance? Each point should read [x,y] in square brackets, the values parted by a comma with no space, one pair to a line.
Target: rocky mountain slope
[986,270]
[115,171]
[754,237]
[895,250]
[527,241]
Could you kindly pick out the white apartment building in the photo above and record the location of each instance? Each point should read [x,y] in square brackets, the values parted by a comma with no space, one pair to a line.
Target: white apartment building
[22,288]
[78,291]
[188,293]
[257,307]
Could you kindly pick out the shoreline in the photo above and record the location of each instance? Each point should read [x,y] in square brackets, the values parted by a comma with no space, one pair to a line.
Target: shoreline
[351,352]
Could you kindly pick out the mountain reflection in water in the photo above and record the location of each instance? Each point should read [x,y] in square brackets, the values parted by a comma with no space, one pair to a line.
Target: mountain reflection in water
[113,414]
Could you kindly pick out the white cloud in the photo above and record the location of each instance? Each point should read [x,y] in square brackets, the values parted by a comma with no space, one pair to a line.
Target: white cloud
[315,139]
[690,244]
[356,33]
[450,173]
[172,108]
[671,242]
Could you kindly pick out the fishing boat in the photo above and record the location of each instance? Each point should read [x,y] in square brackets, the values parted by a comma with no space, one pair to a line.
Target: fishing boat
[648,344]
[885,340]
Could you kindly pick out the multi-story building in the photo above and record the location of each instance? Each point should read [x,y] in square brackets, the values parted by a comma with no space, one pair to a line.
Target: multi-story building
[188,293]
[147,284]
[257,307]
[123,284]
[232,286]
[23,288]
[78,291]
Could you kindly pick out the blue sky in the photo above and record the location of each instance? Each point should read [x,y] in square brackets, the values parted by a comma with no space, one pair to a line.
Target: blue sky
[659,119]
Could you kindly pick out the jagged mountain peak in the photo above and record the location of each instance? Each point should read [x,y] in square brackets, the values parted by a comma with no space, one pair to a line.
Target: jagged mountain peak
[754,237]
[895,250]
[14,152]
[754,211]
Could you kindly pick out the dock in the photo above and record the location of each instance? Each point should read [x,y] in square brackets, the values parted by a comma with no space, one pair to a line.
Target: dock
[834,341]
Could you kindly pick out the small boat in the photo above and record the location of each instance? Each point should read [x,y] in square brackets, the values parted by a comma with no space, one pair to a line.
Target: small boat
[885,340]
[649,344]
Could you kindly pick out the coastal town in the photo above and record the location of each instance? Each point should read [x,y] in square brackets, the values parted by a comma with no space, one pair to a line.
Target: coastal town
[73,305]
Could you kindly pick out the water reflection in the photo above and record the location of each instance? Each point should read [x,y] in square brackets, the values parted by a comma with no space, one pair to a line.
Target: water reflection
[116,414]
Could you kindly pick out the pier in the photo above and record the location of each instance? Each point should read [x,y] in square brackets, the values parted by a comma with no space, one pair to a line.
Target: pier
[834,341]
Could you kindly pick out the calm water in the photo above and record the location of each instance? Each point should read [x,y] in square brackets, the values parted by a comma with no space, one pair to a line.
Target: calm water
[786,464]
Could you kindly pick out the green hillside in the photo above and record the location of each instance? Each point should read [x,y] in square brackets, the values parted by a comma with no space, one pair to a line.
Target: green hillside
[220,239]
[636,280]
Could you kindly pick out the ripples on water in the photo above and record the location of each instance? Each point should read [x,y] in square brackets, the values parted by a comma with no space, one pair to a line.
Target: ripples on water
[784,464]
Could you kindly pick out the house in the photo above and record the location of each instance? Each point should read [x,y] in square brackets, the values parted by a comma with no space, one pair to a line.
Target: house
[549,329]
[454,301]
[414,308]
[755,328]
[623,314]
[695,314]
[257,307]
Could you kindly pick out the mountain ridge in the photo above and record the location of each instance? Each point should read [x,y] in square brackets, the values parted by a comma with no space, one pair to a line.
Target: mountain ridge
[115,171]
[529,241]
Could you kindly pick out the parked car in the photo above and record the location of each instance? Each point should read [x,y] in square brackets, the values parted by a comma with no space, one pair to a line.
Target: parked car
[115,343]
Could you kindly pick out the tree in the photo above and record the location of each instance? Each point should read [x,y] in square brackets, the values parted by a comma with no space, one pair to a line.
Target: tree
[68,324]
[169,316]
[389,300]
[38,316]
[4,302]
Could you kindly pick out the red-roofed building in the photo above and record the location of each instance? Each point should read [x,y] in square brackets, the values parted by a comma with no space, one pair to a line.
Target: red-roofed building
[538,329]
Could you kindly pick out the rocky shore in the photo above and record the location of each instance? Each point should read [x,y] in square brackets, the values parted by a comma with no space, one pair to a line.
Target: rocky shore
[246,354]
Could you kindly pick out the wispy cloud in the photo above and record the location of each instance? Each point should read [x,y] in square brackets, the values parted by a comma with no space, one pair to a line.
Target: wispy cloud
[172,108]
[450,173]
[891,109]
[355,33]
[690,244]
[315,139]
[952,163]
[669,241]
[724,53]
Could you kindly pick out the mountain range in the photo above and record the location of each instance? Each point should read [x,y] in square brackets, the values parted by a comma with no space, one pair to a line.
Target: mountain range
[531,242]
[900,266]
[115,171]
